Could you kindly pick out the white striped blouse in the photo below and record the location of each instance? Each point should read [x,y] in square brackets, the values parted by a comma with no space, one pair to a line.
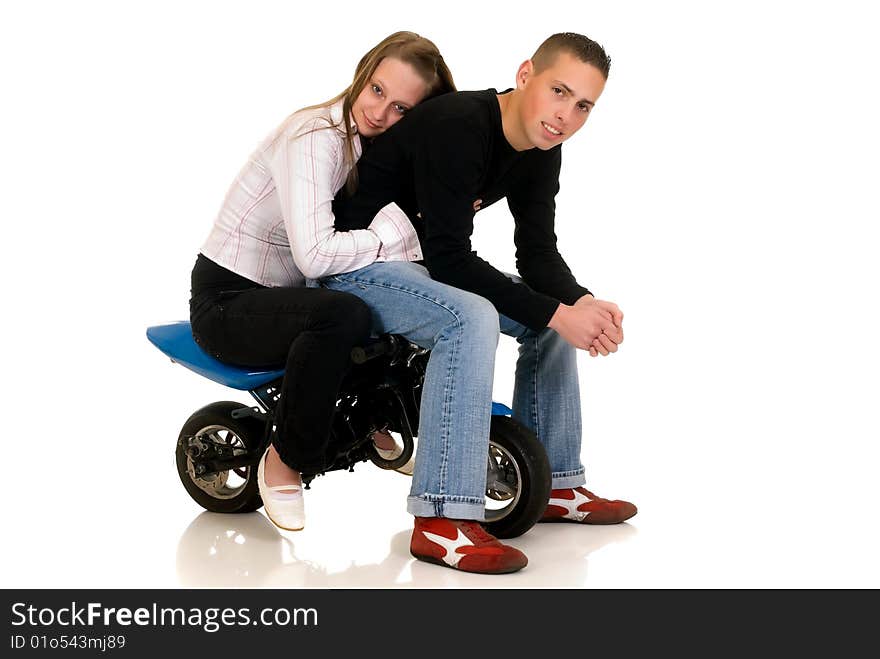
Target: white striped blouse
[276,224]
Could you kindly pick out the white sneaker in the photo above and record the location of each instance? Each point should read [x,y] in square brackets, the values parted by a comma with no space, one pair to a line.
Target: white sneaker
[285,509]
[390,454]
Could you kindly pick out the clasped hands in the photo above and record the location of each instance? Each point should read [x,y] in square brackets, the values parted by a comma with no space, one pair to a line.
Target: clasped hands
[590,324]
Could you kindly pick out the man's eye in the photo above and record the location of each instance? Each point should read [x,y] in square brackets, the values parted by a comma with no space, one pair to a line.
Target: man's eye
[583,107]
[557,91]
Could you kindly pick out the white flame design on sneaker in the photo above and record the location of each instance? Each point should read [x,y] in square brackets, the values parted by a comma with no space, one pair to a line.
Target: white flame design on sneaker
[571,505]
[451,557]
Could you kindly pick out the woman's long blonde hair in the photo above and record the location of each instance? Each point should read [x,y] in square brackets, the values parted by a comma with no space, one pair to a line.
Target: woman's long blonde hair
[409,47]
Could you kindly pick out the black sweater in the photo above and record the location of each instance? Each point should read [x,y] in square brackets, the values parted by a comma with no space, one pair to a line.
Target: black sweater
[448,152]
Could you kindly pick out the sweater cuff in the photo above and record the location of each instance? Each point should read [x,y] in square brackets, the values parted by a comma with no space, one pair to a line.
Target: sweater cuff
[575,295]
[537,316]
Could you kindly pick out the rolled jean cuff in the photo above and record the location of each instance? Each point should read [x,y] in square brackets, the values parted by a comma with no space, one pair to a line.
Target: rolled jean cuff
[562,480]
[444,506]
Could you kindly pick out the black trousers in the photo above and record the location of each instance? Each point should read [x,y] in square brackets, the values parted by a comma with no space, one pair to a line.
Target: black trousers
[308,331]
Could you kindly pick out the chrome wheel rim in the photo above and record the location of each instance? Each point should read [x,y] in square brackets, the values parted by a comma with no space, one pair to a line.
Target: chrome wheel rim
[222,484]
[503,483]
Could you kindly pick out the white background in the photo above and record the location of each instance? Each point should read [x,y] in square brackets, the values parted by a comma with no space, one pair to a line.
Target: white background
[723,193]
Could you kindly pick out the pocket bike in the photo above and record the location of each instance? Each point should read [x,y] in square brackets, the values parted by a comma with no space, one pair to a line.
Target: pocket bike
[220,445]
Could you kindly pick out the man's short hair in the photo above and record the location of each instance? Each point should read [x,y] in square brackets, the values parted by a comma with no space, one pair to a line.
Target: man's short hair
[585,49]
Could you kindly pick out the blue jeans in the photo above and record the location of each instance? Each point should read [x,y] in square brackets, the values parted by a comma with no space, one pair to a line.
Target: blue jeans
[546,398]
[461,329]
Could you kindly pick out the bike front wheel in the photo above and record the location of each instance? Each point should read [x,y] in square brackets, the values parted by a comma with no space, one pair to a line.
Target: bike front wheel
[517,479]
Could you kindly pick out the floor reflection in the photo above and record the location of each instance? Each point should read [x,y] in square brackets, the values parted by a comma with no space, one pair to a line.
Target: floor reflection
[249,551]
[228,550]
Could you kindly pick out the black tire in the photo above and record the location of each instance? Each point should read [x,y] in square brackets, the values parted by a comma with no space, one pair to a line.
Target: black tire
[522,461]
[214,493]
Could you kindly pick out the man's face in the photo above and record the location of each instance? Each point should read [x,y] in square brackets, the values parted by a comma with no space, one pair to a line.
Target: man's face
[557,101]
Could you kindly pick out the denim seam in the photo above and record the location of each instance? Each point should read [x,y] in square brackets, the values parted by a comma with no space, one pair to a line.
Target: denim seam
[563,474]
[448,388]
[534,392]
[448,498]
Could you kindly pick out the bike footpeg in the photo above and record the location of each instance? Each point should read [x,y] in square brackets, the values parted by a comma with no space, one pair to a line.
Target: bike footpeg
[242,412]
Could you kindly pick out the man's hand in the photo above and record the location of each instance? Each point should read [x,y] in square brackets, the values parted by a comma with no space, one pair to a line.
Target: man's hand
[606,342]
[590,324]
[602,345]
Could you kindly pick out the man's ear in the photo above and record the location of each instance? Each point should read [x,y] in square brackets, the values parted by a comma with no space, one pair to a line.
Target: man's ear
[523,73]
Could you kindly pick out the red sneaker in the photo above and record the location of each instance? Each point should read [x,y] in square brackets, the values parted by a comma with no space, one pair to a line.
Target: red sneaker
[580,505]
[464,545]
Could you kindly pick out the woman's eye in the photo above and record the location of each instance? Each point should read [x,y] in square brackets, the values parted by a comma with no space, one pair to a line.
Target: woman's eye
[377,90]
[557,91]
[399,108]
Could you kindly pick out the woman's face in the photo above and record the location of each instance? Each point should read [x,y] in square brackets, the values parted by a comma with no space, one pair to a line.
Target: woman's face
[394,88]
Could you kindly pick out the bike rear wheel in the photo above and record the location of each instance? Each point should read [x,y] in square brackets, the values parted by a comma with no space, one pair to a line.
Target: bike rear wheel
[212,428]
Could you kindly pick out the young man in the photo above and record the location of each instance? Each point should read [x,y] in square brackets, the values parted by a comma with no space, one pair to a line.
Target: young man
[484,146]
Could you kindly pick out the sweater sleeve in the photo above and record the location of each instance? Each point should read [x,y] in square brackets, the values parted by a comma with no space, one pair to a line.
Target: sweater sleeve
[304,168]
[448,169]
[533,206]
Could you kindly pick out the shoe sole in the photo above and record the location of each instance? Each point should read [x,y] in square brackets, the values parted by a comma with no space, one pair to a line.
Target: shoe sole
[300,528]
[442,563]
[563,520]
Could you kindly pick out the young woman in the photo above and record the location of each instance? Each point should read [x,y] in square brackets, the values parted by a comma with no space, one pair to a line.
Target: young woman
[250,305]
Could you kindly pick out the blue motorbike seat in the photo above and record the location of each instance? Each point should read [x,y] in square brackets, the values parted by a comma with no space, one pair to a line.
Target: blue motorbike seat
[176,341]
[500,409]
